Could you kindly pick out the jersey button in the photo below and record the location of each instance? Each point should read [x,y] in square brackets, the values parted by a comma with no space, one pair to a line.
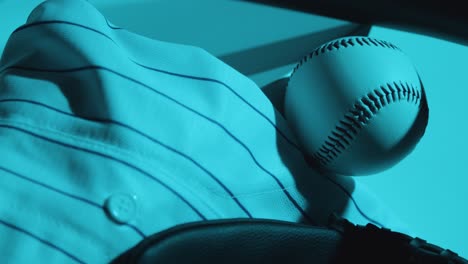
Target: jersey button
[121,207]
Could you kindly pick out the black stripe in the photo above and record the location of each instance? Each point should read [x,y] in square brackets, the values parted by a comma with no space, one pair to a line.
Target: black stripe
[111,26]
[41,240]
[72,196]
[111,158]
[120,124]
[160,70]
[93,67]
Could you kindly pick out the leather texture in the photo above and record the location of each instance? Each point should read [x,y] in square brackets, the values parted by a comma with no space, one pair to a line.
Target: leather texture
[238,241]
[249,241]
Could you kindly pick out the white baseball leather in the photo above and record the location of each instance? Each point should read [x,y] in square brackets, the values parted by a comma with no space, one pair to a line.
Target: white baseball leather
[353,103]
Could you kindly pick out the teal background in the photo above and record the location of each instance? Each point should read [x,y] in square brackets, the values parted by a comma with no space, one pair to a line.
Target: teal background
[427,190]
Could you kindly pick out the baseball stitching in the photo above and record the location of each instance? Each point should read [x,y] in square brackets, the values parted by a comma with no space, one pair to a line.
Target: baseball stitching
[344,43]
[364,108]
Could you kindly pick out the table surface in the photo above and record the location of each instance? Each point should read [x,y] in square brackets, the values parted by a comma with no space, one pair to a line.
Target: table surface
[427,189]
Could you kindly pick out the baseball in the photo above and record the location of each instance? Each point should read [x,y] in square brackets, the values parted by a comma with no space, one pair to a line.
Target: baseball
[356,105]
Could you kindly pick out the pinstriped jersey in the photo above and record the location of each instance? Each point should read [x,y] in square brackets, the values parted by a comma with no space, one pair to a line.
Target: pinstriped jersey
[107,137]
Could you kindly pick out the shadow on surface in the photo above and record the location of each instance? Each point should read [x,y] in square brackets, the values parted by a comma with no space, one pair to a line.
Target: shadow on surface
[283,52]
[325,192]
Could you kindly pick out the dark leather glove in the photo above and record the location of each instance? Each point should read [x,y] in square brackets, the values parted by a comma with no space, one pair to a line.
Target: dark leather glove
[249,241]
[371,244]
